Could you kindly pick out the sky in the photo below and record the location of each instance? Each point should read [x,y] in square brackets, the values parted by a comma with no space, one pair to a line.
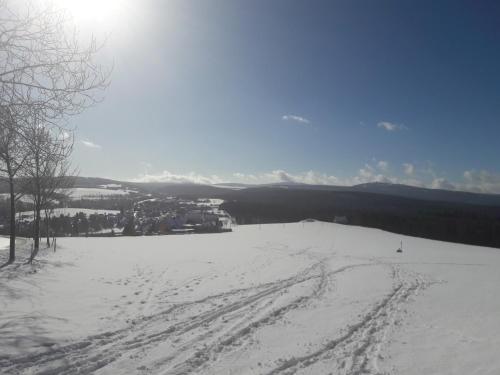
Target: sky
[321,92]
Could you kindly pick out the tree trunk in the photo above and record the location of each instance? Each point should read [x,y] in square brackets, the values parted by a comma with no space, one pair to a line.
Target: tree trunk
[12,252]
[36,233]
[37,230]
[47,227]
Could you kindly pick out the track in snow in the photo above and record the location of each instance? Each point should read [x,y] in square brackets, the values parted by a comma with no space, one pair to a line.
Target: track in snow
[357,350]
[198,333]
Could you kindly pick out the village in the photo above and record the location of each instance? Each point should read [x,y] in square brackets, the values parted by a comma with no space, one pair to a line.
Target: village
[150,216]
[176,216]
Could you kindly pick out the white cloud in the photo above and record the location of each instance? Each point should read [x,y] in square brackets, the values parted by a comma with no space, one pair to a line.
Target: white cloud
[365,175]
[248,178]
[297,119]
[366,172]
[376,171]
[317,178]
[391,126]
[189,178]
[383,165]
[369,174]
[90,144]
[409,169]
[442,183]
[473,181]
[481,181]
[412,182]
[278,175]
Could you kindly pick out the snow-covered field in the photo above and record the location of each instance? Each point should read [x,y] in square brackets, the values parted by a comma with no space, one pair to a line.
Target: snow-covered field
[305,298]
[79,193]
[82,193]
[56,212]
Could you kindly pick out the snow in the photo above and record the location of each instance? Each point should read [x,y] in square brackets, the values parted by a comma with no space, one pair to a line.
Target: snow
[79,193]
[304,298]
[72,212]
[210,202]
[110,186]
[4,242]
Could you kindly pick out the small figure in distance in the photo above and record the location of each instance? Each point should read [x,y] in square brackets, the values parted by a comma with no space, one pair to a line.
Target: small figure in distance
[400,250]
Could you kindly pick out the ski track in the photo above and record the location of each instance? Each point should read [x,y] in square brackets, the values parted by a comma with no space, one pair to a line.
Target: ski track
[226,321]
[358,349]
[98,351]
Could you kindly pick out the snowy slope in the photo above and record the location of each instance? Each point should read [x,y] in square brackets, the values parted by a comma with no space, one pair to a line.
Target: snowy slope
[305,298]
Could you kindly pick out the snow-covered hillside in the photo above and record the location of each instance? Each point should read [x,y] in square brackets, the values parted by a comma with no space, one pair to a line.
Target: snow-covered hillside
[305,298]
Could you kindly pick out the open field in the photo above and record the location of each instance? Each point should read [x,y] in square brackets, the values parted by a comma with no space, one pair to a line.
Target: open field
[305,298]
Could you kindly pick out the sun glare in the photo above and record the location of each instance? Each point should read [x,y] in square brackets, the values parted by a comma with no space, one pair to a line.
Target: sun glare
[106,13]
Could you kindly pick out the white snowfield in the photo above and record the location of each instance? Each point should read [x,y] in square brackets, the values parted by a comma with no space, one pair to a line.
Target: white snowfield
[82,193]
[304,298]
[56,212]
[92,193]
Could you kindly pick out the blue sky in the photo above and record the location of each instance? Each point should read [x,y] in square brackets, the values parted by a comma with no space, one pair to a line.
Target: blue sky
[337,92]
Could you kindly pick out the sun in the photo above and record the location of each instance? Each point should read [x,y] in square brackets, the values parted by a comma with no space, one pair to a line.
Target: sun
[94,12]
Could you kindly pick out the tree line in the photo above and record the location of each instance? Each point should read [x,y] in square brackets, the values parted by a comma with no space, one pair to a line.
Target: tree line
[47,74]
[446,221]
[66,225]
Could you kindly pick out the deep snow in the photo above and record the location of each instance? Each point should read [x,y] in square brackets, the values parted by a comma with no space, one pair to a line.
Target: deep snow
[305,298]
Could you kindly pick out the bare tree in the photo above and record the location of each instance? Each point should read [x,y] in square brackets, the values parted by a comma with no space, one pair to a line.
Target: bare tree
[43,63]
[12,158]
[46,69]
[46,169]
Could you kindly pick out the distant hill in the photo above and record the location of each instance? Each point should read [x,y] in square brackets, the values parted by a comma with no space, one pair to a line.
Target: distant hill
[226,190]
[94,182]
[397,190]
[446,220]
[429,194]
[164,188]
[439,214]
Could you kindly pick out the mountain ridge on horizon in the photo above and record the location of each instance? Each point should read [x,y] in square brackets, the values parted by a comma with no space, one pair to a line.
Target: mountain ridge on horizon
[383,188]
